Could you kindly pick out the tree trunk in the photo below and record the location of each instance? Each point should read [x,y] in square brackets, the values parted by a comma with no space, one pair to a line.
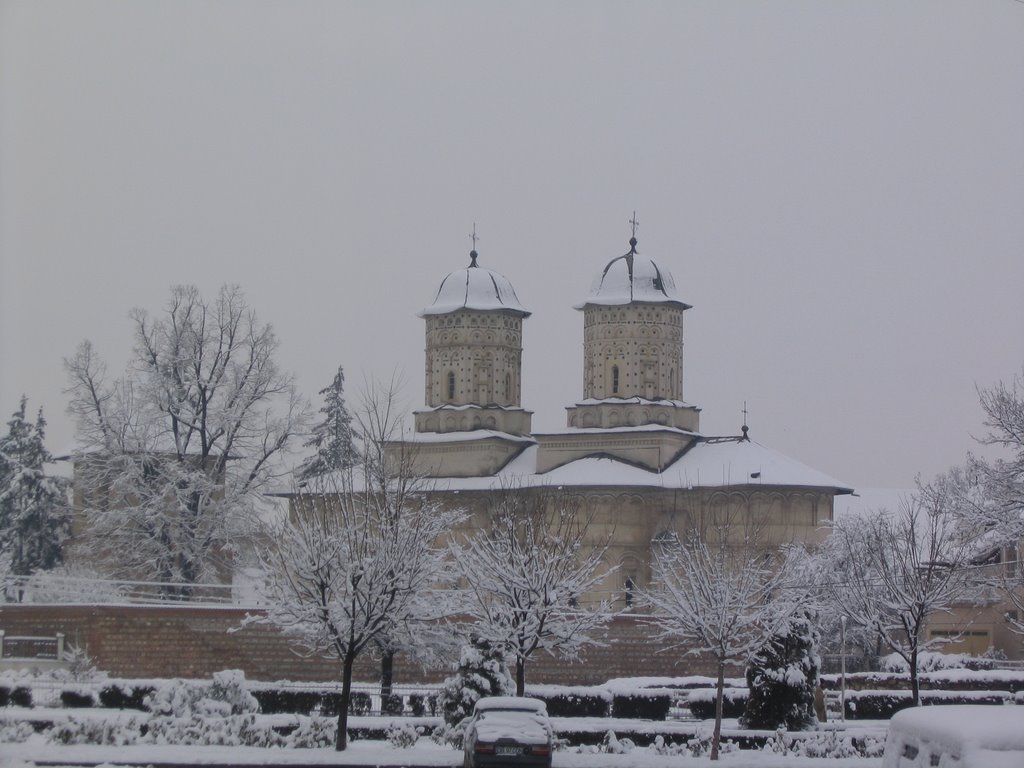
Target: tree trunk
[719,695]
[915,685]
[387,673]
[520,677]
[341,740]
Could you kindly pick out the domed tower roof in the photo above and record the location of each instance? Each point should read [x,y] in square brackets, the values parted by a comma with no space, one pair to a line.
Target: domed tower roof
[630,279]
[475,287]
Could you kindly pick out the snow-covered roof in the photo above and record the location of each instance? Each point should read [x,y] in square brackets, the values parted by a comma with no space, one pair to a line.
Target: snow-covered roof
[632,278]
[475,287]
[709,463]
[458,437]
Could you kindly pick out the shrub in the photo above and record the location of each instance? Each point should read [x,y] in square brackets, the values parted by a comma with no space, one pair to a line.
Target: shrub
[21,697]
[641,705]
[119,696]
[702,702]
[360,703]
[482,671]
[882,705]
[403,735]
[782,677]
[76,699]
[392,704]
[224,696]
[571,704]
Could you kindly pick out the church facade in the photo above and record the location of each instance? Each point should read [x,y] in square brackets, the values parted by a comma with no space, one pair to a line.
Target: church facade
[631,452]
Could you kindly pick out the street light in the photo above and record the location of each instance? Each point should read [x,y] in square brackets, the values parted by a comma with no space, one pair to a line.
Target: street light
[842,688]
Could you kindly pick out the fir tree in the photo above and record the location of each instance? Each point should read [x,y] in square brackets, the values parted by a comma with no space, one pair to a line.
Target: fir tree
[482,671]
[333,437]
[34,514]
[782,677]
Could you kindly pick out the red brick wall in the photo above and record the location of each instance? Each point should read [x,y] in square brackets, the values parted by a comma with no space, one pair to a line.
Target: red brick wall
[189,641]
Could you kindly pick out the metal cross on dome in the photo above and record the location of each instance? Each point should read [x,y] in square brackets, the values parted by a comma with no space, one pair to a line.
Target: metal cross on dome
[473,253]
[635,223]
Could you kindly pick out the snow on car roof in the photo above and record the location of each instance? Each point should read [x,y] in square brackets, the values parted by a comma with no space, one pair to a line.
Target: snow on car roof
[523,703]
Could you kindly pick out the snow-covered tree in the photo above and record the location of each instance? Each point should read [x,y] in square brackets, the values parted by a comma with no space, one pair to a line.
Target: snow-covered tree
[892,571]
[174,455]
[482,671]
[782,677]
[525,572]
[358,561]
[987,495]
[34,513]
[333,438]
[714,592]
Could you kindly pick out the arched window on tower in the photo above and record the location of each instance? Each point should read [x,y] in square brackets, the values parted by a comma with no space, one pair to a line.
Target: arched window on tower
[451,385]
[615,379]
[508,387]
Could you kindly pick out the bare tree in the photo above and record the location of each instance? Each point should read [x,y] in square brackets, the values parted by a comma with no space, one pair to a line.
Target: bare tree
[714,592]
[526,571]
[358,561]
[174,454]
[990,492]
[891,572]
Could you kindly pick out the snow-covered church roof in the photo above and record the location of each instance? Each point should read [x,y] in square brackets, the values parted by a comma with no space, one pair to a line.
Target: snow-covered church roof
[475,287]
[712,462]
[632,278]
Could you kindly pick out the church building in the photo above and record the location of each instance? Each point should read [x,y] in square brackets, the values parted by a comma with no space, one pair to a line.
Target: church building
[632,449]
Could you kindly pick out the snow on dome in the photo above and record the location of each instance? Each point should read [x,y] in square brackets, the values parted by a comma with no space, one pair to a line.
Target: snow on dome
[475,287]
[633,278]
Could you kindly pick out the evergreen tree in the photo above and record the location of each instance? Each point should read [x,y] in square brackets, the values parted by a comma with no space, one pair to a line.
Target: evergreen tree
[333,438]
[482,671]
[34,514]
[782,677]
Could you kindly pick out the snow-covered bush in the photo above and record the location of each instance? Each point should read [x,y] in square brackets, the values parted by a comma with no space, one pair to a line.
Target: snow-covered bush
[449,735]
[313,733]
[482,671]
[782,677]
[700,746]
[15,732]
[103,732]
[933,662]
[659,747]
[702,702]
[613,745]
[403,735]
[225,696]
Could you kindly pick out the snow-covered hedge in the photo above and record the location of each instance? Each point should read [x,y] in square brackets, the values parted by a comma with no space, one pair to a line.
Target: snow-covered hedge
[882,705]
[17,696]
[702,702]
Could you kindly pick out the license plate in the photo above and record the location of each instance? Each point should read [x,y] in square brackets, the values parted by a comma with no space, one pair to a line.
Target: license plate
[507,751]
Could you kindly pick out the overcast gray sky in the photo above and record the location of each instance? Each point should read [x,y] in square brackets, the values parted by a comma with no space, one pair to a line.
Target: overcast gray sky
[835,186]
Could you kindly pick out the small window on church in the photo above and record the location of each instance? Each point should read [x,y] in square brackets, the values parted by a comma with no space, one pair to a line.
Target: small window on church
[508,386]
[615,379]
[451,385]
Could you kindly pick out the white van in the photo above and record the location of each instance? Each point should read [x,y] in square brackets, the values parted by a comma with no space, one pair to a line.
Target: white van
[956,736]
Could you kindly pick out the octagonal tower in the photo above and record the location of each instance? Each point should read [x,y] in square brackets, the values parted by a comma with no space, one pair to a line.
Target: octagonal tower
[474,350]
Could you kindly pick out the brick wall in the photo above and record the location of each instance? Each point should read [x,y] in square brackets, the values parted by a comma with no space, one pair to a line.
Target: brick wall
[189,641]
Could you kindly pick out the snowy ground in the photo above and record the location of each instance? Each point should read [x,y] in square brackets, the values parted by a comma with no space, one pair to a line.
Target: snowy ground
[36,751]
[371,753]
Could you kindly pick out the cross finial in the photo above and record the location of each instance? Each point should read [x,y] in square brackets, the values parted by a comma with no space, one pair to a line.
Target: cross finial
[745,428]
[635,223]
[473,253]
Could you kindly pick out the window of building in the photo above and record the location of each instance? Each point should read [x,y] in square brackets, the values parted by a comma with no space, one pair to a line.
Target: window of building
[615,379]
[451,385]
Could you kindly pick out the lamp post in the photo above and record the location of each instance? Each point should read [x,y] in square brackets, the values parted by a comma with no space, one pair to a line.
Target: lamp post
[842,677]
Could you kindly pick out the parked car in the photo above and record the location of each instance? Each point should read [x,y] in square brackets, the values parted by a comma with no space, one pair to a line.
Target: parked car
[508,731]
[956,736]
